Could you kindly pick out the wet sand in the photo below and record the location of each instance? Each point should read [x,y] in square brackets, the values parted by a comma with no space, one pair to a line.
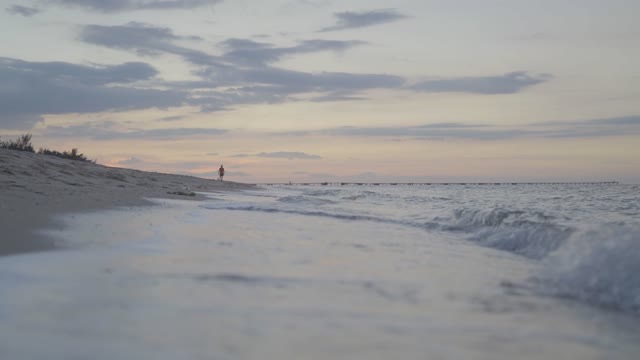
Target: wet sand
[35,188]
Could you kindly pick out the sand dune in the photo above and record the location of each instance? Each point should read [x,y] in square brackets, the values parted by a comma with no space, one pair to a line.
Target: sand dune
[34,188]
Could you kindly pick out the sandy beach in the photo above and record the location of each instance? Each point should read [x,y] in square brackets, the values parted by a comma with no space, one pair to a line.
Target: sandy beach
[35,188]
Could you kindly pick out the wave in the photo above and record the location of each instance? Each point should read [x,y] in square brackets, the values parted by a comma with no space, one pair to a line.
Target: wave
[532,234]
[599,265]
[361,195]
[300,199]
[354,197]
[301,212]
[329,192]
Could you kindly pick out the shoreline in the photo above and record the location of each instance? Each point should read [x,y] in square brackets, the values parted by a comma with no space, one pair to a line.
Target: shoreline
[35,188]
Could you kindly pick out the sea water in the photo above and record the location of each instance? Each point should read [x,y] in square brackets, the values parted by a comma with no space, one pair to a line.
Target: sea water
[338,272]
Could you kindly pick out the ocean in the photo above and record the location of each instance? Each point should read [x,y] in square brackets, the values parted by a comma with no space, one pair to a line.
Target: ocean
[522,271]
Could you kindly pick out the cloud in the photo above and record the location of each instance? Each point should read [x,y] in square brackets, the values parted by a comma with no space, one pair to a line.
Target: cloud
[441,131]
[17,121]
[281,155]
[131,161]
[288,155]
[269,85]
[300,82]
[172,118]
[144,39]
[451,125]
[509,83]
[242,74]
[22,10]
[31,89]
[95,75]
[622,120]
[110,6]
[315,3]
[243,67]
[252,53]
[337,96]
[110,131]
[352,20]
[617,126]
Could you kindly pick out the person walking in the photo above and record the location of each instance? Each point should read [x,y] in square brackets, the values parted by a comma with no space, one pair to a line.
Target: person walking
[221,172]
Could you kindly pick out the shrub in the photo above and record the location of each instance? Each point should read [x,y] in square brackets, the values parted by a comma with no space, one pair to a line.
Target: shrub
[23,143]
[71,155]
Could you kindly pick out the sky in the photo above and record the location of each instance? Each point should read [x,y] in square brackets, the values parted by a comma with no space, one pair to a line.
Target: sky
[323,90]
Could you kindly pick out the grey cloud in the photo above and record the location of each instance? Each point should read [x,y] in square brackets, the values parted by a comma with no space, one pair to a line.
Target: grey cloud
[351,20]
[432,132]
[144,39]
[184,166]
[316,3]
[244,44]
[509,83]
[22,10]
[176,4]
[337,96]
[108,131]
[252,53]
[615,126]
[31,89]
[242,74]
[147,39]
[12,69]
[618,126]
[622,120]
[450,125]
[281,155]
[131,36]
[131,161]
[109,6]
[296,81]
[173,133]
[13,121]
[172,118]
[288,155]
[273,85]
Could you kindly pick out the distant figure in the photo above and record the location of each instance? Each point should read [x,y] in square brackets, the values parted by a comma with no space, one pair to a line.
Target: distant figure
[221,172]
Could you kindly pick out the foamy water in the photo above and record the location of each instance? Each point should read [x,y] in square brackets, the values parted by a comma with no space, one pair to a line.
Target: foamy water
[438,272]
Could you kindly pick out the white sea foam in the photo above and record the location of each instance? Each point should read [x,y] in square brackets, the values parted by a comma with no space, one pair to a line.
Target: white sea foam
[599,265]
[529,233]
